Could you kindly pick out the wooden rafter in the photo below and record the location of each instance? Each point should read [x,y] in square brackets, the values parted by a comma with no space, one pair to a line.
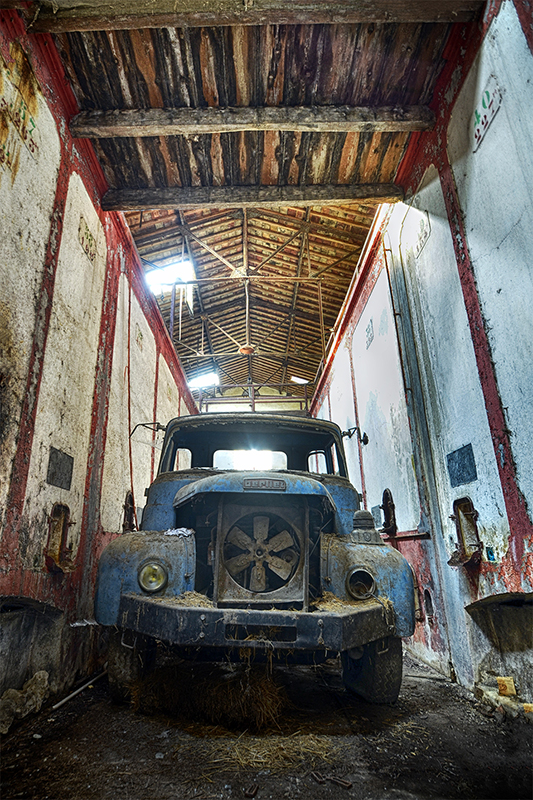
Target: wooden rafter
[141,122]
[69,15]
[297,355]
[295,288]
[276,252]
[325,229]
[245,196]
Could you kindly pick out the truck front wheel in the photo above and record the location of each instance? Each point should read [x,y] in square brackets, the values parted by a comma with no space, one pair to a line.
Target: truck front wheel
[376,674]
[130,656]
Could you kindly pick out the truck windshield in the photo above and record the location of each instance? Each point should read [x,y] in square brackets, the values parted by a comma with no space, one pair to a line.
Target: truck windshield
[249,459]
[252,445]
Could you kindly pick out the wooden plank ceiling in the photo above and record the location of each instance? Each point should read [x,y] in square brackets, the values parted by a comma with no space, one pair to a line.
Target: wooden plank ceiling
[257,138]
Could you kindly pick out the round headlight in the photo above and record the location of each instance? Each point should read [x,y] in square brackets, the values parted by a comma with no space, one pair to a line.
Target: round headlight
[152,577]
[360,583]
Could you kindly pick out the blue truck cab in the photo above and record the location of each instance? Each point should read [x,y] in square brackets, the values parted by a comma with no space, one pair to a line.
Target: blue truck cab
[253,537]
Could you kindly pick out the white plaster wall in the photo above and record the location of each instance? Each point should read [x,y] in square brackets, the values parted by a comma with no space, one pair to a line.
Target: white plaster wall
[455,408]
[143,365]
[343,410]
[496,195]
[184,411]
[64,408]
[454,405]
[26,202]
[116,478]
[116,474]
[168,403]
[322,411]
[388,457]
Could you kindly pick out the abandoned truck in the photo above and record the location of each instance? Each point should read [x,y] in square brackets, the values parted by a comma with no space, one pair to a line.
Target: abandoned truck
[252,537]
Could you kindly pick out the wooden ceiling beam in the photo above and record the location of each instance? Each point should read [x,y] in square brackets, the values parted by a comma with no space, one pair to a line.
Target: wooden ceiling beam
[142,122]
[325,229]
[275,356]
[246,196]
[271,307]
[69,15]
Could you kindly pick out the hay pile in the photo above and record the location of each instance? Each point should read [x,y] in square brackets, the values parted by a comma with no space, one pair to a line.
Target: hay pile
[330,602]
[233,696]
[189,599]
[273,752]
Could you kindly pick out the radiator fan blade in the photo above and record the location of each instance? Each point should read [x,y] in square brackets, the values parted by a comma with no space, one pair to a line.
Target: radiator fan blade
[258,578]
[238,563]
[280,542]
[240,539]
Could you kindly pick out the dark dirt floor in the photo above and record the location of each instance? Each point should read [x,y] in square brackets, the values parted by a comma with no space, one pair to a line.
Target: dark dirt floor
[437,741]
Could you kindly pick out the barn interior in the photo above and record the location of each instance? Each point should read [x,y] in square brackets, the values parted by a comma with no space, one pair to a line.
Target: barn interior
[315,208]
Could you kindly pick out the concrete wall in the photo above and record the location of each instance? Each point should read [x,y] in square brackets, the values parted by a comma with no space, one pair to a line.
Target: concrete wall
[85,357]
[27,189]
[495,191]
[64,405]
[441,335]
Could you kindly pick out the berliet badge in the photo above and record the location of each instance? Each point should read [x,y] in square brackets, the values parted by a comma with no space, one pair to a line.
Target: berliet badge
[264,484]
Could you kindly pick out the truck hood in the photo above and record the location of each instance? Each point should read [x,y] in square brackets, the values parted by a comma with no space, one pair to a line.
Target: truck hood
[282,483]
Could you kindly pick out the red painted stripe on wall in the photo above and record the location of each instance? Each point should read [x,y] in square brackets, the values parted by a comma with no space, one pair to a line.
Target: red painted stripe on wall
[91,542]
[424,150]
[9,557]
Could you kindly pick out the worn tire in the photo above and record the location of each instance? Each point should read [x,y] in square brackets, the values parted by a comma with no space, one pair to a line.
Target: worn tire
[127,665]
[377,675]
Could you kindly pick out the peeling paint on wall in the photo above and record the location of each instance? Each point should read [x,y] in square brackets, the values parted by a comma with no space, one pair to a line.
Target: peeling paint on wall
[60,262]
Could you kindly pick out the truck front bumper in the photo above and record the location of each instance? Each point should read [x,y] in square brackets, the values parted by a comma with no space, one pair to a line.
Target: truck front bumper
[167,620]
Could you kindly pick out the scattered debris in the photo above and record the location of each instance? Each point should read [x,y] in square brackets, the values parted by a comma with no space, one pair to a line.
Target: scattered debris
[252,790]
[503,704]
[230,695]
[506,686]
[80,689]
[273,752]
[16,704]
[184,532]
[330,602]
[189,599]
[339,781]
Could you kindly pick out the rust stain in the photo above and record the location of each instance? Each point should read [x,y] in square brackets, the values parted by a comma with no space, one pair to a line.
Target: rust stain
[394,152]
[172,171]
[270,166]
[344,47]
[195,171]
[143,46]
[320,158]
[23,77]
[16,164]
[209,80]
[241,56]
[18,109]
[274,69]
[8,368]
[294,169]
[217,160]
[4,128]
[243,154]
[369,167]
[348,157]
